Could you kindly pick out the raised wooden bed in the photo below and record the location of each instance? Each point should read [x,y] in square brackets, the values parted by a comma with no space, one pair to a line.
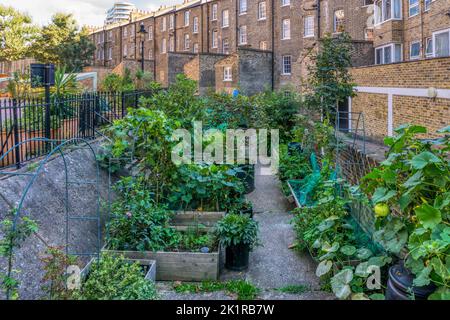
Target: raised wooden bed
[148,264]
[179,266]
[184,266]
[184,220]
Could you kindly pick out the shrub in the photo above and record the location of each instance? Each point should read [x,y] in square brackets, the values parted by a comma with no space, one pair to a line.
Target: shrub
[236,229]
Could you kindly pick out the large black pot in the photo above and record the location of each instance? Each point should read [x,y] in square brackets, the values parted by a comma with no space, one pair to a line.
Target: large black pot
[247,176]
[400,285]
[236,257]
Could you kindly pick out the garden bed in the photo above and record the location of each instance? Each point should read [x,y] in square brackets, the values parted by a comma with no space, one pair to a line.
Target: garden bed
[148,266]
[184,220]
[180,266]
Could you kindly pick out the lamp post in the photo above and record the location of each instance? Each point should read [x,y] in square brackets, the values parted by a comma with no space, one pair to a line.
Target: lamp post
[142,32]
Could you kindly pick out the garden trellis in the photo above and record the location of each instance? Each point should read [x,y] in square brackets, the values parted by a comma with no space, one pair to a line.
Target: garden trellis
[59,148]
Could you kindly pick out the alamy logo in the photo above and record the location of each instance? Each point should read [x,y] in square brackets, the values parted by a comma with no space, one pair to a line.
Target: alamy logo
[235,146]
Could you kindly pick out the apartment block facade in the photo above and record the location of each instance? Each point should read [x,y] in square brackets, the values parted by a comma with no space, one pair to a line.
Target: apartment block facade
[383,32]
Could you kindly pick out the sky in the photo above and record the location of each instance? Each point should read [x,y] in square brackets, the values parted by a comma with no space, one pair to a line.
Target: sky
[87,12]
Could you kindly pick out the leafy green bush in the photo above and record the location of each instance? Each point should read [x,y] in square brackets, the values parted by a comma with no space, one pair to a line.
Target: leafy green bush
[236,229]
[293,166]
[410,191]
[137,223]
[205,187]
[327,232]
[114,278]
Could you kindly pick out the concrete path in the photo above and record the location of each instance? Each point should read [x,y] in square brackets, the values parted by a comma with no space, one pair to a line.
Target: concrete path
[273,265]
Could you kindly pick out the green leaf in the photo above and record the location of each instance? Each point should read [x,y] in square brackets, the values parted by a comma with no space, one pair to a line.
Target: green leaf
[383,195]
[442,293]
[428,216]
[379,261]
[377,296]
[362,270]
[359,296]
[340,283]
[323,268]
[363,253]
[423,159]
[440,268]
[423,278]
[348,250]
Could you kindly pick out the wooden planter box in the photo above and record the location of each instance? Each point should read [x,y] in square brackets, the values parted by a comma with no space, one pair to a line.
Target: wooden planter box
[150,266]
[179,266]
[184,266]
[184,220]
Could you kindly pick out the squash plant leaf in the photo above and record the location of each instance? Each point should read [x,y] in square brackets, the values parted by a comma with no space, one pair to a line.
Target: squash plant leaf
[383,195]
[323,268]
[428,216]
[423,159]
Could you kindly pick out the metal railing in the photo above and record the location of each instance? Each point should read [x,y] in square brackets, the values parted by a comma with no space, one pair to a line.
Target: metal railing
[61,118]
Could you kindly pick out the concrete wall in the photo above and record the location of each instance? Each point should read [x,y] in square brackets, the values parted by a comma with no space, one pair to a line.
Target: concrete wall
[255,70]
[45,203]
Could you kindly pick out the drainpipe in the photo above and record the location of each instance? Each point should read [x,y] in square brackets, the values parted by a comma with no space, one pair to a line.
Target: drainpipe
[273,43]
[318,20]
[207,27]
[201,28]
[154,47]
[422,40]
[236,42]
[175,30]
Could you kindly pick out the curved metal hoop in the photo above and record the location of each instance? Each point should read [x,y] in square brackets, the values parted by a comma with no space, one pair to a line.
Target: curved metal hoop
[57,148]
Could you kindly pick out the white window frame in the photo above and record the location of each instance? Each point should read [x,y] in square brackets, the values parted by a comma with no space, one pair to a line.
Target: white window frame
[171,44]
[110,53]
[410,50]
[125,50]
[227,46]
[214,12]
[150,33]
[263,45]
[262,10]
[429,46]
[164,45]
[335,29]
[428,5]
[187,41]
[243,7]
[413,5]
[227,74]
[243,35]
[171,22]
[195,47]
[125,32]
[285,3]
[215,39]
[283,65]
[187,18]
[286,29]
[195,25]
[392,46]
[434,41]
[225,18]
[308,27]
[379,17]
[164,24]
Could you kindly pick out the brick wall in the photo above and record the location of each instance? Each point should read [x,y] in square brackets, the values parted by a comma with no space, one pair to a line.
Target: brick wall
[423,74]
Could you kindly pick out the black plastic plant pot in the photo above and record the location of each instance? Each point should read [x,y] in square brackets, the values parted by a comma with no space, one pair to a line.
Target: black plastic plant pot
[247,211]
[236,257]
[248,177]
[400,285]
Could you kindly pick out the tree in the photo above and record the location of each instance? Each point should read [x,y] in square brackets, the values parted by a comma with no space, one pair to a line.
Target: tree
[330,80]
[78,53]
[17,32]
[63,44]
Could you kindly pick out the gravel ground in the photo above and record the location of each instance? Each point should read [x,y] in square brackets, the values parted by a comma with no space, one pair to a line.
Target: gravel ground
[273,265]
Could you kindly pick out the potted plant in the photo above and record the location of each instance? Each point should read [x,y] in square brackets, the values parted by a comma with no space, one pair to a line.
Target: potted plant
[242,206]
[239,234]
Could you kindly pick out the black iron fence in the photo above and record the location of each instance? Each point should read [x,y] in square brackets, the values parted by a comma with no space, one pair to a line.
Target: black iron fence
[61,118]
